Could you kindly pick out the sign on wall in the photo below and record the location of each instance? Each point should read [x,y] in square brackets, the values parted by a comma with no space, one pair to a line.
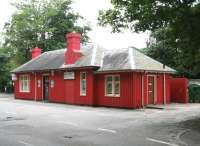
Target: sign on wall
[69,75]
[52,83]
[14,77]
[39,83]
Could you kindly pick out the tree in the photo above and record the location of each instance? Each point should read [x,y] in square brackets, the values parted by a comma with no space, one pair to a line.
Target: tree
[161,47]
[5,81]
[181,17]
[41,23]
[37,23]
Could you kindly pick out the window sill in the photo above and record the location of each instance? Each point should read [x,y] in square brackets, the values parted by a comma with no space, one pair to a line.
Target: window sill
[112,95]
[24,91]
[82,94]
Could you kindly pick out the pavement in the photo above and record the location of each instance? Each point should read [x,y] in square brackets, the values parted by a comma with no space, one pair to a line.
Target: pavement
[30,123]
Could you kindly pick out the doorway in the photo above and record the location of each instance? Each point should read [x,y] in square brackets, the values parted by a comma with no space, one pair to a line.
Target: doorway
[45,88]
[151,89]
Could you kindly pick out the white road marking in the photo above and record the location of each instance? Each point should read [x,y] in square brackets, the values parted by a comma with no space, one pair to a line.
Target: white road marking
[25,143]
[68,123]
[107,130]
[102,114]
[159,141]
[12,113]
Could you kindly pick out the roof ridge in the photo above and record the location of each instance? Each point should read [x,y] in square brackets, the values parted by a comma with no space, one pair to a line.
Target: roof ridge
[131,58]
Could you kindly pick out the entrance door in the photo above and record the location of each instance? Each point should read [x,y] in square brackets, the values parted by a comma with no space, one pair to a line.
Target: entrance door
[151,89]
[45,87]
[69,91]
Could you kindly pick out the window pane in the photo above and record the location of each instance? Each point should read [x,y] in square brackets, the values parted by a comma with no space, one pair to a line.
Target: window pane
[117,88]
[24,83]
[109,88]
[109,78]
[83,75]
[116,78]
[83,83]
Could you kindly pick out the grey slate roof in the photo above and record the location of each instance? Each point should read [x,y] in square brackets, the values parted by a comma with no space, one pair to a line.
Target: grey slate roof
[96,56]
[47,61]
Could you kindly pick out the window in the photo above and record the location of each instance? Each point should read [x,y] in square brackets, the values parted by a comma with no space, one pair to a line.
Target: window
[24,83]
[83,83]
[112,85]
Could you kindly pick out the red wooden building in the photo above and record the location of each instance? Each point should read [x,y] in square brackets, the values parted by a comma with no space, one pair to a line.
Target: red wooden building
[91,75]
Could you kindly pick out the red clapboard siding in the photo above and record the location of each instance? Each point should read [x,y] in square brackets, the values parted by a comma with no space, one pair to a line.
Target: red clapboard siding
[25,95]
[57,92]
[179,90]
[126,91]
[88,99]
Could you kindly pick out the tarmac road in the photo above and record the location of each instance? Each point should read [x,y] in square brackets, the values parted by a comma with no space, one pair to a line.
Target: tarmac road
[29,123]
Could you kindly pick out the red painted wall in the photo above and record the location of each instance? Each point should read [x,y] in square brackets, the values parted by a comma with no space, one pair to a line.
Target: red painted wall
[89,98]
[179,90]
[25,95]
[39,88]
[57,91]
[137,90]
[68,91]
[126,91]
[160,88]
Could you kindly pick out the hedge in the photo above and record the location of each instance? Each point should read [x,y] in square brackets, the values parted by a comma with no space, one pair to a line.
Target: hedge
[194,93]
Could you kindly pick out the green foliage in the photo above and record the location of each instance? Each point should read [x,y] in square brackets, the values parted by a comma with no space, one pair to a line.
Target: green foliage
[41,23]
[37,23]
[5,81]
[194,93]
[179,19]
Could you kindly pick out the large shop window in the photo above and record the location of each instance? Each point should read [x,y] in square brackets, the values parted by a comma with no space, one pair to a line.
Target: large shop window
[24,83]
[83,83]
[112,85]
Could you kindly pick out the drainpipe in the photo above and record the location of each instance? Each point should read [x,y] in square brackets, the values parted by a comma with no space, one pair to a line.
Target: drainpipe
[35,87]
[164,86]
[142,90]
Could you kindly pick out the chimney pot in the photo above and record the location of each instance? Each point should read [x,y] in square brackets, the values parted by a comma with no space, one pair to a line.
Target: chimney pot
[73,47]
[36,52]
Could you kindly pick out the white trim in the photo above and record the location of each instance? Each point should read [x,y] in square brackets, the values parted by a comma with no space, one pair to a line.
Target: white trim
[94,54]
[35,86]
[113,85]
[164,86]
[28,83]
[155,89]
[142,89]
[130,51]
[101,62]
[81,91]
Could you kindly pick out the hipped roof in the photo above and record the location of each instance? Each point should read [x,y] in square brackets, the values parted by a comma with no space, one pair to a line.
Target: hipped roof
[96,56]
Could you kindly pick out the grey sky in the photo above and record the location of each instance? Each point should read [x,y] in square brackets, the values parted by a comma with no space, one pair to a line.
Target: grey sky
[89,10]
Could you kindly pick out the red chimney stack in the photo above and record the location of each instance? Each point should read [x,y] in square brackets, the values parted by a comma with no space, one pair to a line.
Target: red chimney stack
[73,48]
[36,52]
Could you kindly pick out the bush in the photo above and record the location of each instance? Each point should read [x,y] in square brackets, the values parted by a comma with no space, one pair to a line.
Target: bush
[194,93]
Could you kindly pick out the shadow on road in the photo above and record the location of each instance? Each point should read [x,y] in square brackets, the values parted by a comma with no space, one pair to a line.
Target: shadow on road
[192,135]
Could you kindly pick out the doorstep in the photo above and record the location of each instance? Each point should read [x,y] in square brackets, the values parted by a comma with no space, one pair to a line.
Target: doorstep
[154,106]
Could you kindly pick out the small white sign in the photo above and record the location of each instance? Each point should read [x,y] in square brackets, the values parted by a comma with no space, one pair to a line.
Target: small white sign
[52,83]
[14,77]
[69,75]
[39,83]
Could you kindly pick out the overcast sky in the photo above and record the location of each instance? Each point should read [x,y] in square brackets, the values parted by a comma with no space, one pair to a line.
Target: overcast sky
[89,10]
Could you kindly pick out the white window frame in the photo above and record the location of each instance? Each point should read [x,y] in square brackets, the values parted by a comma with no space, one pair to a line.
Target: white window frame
[83,93]
[24,80]
[113,94]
